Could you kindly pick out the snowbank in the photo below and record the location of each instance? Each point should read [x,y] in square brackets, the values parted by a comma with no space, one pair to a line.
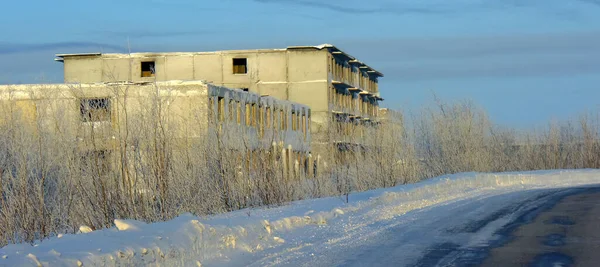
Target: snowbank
[192,240]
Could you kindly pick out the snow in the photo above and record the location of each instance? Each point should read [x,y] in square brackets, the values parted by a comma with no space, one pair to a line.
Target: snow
[321,46]
[400,222]
[128,225]
[85,229]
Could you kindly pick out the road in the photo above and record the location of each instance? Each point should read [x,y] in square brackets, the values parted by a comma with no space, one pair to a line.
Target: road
[561,230]
[568,234]
[544,227]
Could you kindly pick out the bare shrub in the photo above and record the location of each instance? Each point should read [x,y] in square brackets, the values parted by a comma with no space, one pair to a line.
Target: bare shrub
[146,163]
[459,137]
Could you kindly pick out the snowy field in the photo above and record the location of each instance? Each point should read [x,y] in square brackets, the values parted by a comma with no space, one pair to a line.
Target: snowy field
[394,224]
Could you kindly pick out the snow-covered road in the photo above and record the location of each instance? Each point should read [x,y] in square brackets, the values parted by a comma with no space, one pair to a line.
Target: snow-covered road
[458,233]
[449,219]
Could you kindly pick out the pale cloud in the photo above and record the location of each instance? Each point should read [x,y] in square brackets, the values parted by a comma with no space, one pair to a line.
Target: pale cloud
[559,8]
[13,48]
[30,67]
[413,59]
[477,46]
[362,7]
[594,2]
[34,63]
[153,33]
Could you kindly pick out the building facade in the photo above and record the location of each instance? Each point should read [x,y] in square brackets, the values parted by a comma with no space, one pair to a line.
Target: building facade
[102,118]
[341,91]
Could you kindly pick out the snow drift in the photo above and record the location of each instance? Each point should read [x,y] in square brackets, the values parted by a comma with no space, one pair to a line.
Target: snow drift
[244,235]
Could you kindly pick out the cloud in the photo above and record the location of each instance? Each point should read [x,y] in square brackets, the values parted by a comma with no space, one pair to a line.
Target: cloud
[349,8]
[460,47]
[399,7]
[593,2]
[30,67]
[224,8]
[506,68]
[423,59]
[153,33]
[13,48]
[34,63]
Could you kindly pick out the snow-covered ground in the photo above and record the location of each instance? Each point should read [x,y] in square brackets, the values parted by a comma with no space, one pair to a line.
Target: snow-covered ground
[397,224]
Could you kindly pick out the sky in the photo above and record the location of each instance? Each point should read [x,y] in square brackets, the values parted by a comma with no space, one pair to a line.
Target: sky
[526,62]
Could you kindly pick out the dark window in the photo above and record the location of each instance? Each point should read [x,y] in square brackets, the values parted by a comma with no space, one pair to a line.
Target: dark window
[94,109]
[148,69]
[245,89]
[240,65]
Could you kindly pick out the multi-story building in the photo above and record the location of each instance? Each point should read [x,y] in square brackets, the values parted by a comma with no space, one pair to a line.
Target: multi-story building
[341,91]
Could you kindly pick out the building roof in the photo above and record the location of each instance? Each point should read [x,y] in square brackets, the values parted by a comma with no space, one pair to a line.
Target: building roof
[61,57]
[333,49]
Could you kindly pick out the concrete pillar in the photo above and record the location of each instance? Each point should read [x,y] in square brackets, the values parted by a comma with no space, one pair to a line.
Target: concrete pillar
[296,169]
[284,163]
[290,161]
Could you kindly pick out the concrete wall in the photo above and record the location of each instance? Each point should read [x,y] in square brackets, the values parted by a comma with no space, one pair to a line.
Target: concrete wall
[272,66]
[259,122]
[84,70]
[305,76]
[54,108]
[188,114]
[118,69]
[264,67]
[295,75]
[208,67]
[307,65]
[186,109]
[177,68]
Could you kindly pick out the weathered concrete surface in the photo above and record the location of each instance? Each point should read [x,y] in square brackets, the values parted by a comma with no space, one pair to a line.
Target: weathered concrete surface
[324,78]
[568,234]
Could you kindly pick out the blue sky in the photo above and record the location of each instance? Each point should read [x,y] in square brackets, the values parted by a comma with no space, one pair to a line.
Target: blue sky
[525,61]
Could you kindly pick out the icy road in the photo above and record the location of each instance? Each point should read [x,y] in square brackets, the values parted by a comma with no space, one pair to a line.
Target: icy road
[534,218]
[542,227]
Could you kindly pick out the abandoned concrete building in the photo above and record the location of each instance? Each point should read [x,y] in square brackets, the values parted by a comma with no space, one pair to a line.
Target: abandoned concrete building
[102,116]
[300,102]
[341,91]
